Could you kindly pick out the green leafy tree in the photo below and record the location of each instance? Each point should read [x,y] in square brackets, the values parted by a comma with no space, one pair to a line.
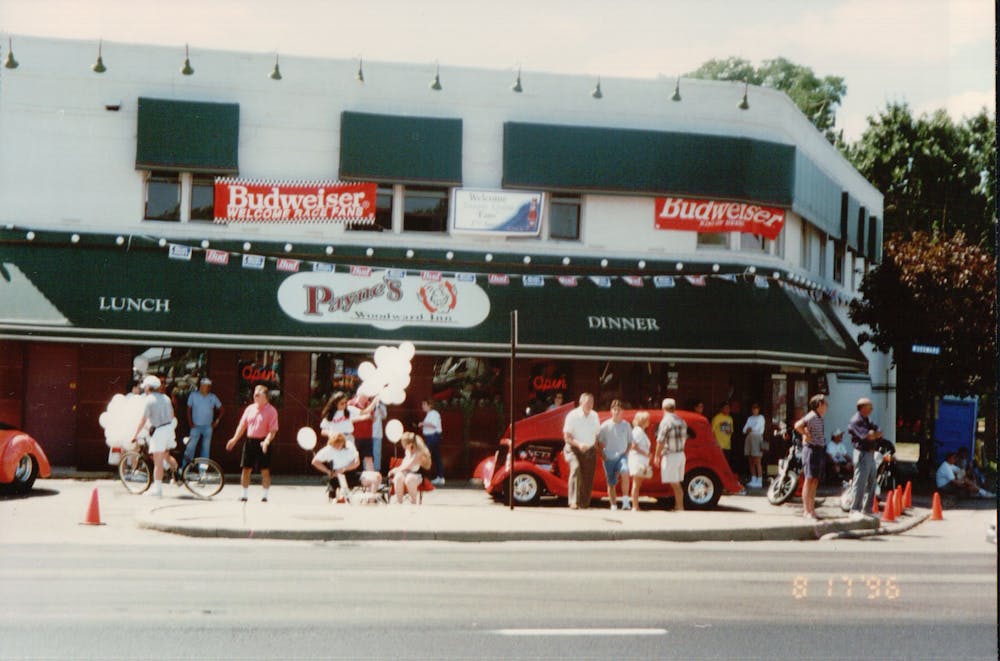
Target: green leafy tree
[939,290]
[937,175]
[817,98]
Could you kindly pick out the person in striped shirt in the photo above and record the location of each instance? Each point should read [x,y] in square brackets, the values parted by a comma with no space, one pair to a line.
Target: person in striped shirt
[813,452]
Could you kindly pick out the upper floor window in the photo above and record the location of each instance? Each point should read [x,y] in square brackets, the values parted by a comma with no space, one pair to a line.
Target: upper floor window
[163,196]
[202,198]
[383,213]
[838,262]
[752,242]
[717,240]
[823,244]
[425,209]
[564,218]
[805,248]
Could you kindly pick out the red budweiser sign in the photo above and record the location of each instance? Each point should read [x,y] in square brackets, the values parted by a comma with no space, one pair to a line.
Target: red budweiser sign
[244,201]
[677,213]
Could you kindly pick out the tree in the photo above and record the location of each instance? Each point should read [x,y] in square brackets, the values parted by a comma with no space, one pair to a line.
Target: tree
[816,97]
[937,175]
[939,290]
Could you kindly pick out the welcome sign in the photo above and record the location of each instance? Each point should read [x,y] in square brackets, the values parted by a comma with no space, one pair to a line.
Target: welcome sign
[504,212]
[245,201]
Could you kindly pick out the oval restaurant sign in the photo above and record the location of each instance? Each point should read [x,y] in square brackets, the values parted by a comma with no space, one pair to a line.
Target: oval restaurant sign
[383,298]
[677,213]
[245,201]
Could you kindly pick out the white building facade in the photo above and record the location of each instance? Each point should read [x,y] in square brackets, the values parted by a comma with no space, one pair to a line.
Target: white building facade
[697,239]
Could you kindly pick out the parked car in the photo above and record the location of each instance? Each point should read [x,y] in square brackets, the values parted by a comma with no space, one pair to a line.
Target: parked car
[21,460]
[540,469]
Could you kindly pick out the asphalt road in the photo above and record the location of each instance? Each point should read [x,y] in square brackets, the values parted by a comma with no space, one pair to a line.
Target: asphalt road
[245,599]
[70,591]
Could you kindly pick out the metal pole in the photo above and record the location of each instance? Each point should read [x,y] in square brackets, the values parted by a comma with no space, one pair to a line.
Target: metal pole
[513,407]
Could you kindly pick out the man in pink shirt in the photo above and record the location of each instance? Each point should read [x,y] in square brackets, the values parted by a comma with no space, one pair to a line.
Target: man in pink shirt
[260,423]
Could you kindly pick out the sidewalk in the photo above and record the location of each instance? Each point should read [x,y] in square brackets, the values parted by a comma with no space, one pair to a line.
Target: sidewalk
[467,514]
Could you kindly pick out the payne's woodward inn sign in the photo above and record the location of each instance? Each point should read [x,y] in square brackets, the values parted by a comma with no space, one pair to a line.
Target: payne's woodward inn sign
[245,201]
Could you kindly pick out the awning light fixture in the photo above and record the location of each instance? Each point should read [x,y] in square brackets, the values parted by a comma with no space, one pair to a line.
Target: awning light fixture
[187,69]
[99,65]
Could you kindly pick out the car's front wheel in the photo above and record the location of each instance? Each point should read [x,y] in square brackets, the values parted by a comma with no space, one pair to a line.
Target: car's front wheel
[24,474]
[527,489]
[702,489]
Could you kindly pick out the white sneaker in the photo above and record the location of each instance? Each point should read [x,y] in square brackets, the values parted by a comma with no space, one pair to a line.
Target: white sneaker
[438,481]
[613,505]
[858,516]
[626,504]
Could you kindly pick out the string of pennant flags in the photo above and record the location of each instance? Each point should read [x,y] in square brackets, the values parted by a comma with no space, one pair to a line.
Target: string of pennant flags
[256,262]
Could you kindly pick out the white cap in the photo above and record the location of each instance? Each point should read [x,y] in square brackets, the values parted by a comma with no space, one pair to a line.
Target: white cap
[151,382]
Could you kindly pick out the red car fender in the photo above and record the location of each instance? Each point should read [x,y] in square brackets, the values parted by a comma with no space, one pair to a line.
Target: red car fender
[553,484]
[14,445]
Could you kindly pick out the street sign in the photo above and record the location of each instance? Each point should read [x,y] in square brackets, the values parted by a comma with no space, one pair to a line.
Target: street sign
[927,349]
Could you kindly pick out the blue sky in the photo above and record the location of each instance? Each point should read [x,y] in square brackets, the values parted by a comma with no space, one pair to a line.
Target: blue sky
[929,53]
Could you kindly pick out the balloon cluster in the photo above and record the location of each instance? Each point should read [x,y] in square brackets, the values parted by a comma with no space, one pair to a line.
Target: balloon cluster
[387,379]
[121,418]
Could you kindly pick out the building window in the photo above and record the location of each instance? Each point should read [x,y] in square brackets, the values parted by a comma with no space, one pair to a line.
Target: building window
[202,198]
[838,262]
[425,209]
[564,218]
[383,213]
[752,242]
[717,240]
[823,243]
[163,196]
[805,249]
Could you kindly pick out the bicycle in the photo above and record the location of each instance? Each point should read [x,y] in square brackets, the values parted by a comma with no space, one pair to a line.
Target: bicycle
[203,477]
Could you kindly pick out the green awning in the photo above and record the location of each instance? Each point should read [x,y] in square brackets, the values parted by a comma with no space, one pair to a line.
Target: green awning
[817,196]
[137,294]
[556,157]
[188,135]
[400,149]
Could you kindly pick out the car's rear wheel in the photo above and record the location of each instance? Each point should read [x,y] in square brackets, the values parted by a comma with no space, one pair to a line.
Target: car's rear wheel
[24,474]
[527,489]
[702,489]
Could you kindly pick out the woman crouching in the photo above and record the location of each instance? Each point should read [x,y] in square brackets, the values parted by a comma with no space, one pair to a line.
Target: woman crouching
[339,461]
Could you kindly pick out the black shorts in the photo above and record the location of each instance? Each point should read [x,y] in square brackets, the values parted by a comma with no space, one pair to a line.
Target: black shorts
[364,446]
[254,457]
[813,461]
[353,480]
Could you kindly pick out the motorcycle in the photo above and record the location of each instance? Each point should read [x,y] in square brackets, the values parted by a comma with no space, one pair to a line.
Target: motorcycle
[885,475]
[789,478]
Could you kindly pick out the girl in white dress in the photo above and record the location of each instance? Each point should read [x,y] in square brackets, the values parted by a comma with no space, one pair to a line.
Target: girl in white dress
[639,467]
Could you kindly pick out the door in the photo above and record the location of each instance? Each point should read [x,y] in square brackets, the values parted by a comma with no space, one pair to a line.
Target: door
[50,399]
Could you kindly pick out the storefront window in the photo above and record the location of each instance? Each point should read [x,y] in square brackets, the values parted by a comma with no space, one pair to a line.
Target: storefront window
[179,369]
[258,368]
[467,380]
[547,380]
[330,373]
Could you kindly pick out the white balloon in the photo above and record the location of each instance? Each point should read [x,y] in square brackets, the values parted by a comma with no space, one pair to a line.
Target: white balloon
[382,355]
[407,349]
[306,438]
[104,420]
[117,400]
[367,371]
[393,430]
[369,388]
[391,395]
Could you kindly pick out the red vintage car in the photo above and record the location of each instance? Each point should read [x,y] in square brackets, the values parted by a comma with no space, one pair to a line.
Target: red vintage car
[21,460]
[540,469]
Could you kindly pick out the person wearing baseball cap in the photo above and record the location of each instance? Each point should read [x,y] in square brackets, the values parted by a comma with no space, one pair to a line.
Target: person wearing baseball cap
[158,414]
[865,436]
[204,409]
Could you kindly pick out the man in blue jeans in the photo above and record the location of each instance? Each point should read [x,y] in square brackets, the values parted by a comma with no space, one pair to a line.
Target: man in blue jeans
[204,411]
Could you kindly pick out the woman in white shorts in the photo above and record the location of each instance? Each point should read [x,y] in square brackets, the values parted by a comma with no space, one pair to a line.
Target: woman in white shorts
[158,417]
[639,467]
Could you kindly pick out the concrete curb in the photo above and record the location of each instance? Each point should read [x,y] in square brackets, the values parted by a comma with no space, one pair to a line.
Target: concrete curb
[916,517]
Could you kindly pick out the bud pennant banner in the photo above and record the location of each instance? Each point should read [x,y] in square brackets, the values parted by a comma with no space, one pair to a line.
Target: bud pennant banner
[676,213]
[499,279]
[180,252]
[533,281]
[290,265]
[253,262]
[662,281]
[213,256]
[323,266]
[246,201]
[567,280]
[633,280]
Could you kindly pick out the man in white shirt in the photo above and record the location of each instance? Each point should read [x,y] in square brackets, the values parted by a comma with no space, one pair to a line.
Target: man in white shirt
[949,482]
[580,433]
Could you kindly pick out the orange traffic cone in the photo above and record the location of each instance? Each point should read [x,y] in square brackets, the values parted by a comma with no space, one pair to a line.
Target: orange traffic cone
[936,514]
[889,515]
[897,496]
[875,505]
[908,495]
[93,512]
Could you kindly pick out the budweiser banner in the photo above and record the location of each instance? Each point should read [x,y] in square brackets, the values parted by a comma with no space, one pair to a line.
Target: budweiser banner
[245,201]
[677,213]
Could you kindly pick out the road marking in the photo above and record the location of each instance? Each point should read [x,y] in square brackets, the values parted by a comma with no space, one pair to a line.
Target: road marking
[580,632]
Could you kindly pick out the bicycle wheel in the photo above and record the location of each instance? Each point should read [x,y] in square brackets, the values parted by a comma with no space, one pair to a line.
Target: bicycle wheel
[133,471]
[203,477]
